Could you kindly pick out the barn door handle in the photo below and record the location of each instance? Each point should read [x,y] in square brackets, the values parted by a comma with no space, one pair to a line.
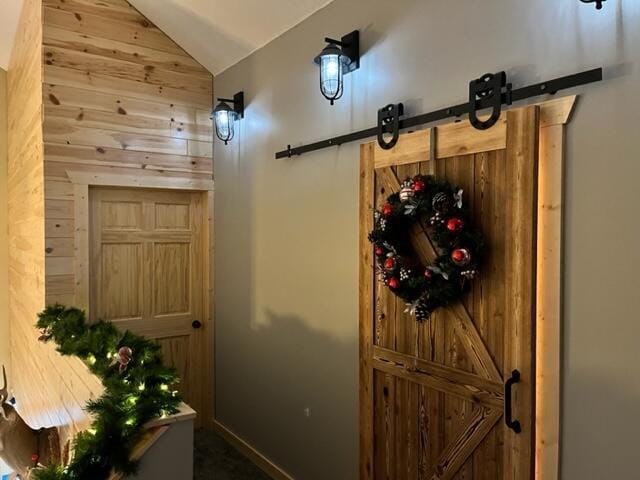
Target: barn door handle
[508,400]
[196,324]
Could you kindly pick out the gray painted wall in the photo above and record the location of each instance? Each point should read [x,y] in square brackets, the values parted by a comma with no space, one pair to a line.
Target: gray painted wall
[286,230]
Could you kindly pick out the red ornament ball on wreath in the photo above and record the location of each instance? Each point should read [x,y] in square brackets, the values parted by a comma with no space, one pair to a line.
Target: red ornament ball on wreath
[379,251]
[461,256]
[35,457]
[389,263]
[418,185]
[387,209]
[455,225]
[393,283]
[428,273]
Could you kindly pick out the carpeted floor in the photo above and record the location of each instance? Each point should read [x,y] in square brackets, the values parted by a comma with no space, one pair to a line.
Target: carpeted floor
[215,459]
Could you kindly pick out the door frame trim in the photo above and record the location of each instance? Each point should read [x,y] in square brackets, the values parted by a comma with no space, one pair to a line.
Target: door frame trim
[554,115]
[81,182]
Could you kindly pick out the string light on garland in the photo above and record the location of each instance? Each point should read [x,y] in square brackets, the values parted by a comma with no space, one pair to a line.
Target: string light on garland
[136,391]
[439,205]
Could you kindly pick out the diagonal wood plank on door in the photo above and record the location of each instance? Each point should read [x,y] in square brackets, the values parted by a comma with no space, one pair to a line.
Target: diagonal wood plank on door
[459,450]
[445,379]
[465,327]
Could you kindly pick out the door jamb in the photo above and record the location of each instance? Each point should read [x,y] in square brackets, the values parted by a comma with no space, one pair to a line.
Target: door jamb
[81,182]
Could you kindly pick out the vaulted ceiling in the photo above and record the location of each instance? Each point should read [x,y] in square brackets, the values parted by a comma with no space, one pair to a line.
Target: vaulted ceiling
[217,33]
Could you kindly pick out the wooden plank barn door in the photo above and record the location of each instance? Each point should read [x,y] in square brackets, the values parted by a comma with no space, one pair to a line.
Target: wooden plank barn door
[148,268]
[432,393]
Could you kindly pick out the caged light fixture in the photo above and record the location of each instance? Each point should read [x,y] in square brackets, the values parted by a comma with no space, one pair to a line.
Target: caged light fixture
[337,59]
[225,116]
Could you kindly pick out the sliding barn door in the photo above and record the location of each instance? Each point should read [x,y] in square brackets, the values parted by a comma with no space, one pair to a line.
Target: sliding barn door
[432,393]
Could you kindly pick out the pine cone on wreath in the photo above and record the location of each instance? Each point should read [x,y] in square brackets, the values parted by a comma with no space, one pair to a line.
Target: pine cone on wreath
[441,202]
[421,311]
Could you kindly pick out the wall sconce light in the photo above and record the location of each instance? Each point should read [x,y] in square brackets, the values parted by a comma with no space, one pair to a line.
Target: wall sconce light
[338,58]
[597,2]
[225,116]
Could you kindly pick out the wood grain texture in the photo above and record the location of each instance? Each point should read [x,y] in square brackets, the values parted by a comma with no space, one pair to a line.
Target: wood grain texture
[97,95]
[122,102]
[438,385]
[522,152]
[366,312]
[147,270]
[51,389]
[549,287]
[458,138]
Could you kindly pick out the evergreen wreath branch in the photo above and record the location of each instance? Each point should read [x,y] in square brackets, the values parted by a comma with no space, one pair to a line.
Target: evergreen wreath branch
[437,204]
[137,390]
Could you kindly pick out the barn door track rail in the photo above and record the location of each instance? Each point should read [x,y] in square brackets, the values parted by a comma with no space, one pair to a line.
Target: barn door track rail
[489,91]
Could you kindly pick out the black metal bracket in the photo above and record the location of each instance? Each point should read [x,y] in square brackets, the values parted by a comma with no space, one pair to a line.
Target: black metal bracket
[597,2]
[389,122]
[350,45]
[238,103]
[488,88]
[508,402]
[457,111]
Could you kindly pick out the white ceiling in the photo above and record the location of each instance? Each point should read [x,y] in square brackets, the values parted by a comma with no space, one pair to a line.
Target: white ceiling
[220,33]
[8,23]
[217,33]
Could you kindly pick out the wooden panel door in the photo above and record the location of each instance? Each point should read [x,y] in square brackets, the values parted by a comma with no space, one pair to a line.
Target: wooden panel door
[432,393]
[148,270]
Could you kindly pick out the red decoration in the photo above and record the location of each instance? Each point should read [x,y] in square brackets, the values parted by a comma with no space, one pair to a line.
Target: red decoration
[393,283]
[428,273]
[460,256]
[389,263]
[379,251]
[455,225]
[418,186]
[35,457]
[387,209]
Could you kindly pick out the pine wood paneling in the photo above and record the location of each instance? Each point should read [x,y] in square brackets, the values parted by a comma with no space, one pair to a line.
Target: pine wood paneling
[124,106]
[51,389]
[97,95]
[135,31]
[149,74]
[148,262]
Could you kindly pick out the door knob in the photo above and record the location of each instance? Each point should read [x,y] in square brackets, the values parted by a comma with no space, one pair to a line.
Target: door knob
[196,324]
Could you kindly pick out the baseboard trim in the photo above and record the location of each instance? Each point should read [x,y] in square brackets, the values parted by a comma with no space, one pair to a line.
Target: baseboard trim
[262,462]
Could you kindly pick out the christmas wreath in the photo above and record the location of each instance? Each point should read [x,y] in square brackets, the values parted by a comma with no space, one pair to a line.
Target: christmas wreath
[437,205]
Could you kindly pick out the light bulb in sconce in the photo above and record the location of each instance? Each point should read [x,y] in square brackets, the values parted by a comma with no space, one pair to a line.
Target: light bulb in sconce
[225,116]
[335,60]
[332,64]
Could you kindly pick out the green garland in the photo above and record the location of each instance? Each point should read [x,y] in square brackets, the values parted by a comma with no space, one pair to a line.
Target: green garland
[137,390]
[438,206]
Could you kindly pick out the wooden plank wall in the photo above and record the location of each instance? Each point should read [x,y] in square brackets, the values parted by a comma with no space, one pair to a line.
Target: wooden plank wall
[95,90]
[26,203]
[120,97]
